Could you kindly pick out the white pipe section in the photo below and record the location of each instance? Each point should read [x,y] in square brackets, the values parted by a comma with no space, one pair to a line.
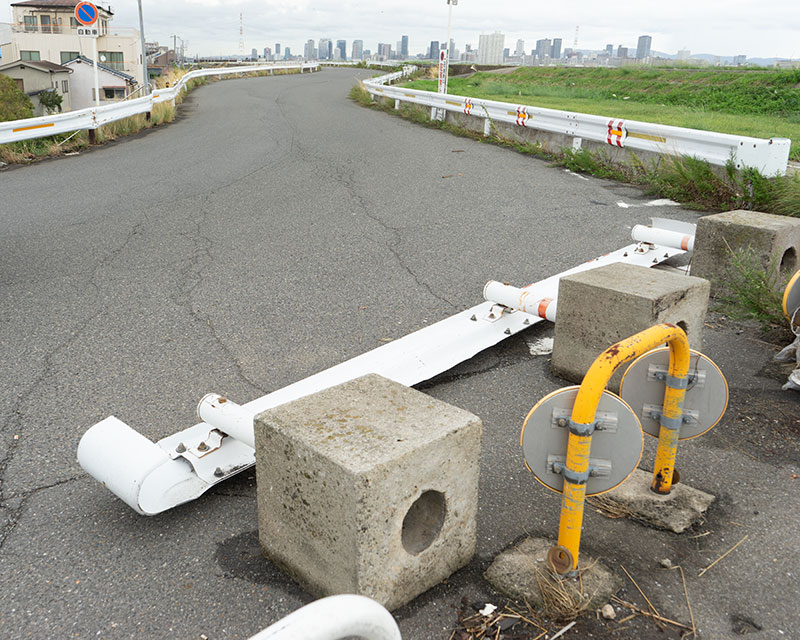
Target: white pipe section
[228,417]
[520,299]
[663,237]
[335,618]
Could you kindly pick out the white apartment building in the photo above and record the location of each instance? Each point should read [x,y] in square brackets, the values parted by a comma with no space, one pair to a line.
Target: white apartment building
[490,48]
[47,30]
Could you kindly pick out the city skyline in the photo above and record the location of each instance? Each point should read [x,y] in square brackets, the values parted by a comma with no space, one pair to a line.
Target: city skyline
[212,28]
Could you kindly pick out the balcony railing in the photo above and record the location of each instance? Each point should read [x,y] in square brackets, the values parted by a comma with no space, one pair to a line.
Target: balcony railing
[65,29]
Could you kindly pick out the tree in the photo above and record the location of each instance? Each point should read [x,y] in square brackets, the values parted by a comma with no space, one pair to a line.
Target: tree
[14,105]
[50,100]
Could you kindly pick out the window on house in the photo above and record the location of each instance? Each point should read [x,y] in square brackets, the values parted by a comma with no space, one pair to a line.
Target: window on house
[66,56]
[65,86]
[113,93]
[45,20]
[73,22]
[31,23]
[29,55]
[113,59]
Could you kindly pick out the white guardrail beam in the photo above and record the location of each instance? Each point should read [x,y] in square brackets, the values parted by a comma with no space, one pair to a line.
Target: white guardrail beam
[92,118]
[770,157]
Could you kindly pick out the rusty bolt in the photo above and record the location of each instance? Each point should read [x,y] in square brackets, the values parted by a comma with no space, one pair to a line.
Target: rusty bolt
[180,448]
[202,447]
[561,422]
[222,399]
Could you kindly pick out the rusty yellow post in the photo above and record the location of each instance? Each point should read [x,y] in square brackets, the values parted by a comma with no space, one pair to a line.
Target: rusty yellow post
[582,422]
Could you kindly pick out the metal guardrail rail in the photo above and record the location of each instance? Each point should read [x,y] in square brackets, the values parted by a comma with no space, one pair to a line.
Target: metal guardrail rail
[94,117]
[770,157]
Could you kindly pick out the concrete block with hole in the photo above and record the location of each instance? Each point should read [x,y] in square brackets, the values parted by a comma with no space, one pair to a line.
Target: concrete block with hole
[774,240]
[602,306]
[370,487]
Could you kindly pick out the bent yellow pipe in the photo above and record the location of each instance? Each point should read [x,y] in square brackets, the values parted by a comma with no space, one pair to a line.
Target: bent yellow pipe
[585,408]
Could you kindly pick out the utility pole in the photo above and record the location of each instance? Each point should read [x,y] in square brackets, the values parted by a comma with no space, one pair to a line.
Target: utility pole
[175,49]
[241,37]
[146,78]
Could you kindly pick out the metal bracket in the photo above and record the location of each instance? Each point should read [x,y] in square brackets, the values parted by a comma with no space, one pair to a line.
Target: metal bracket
[598,468]
[496,312]
[655,411]
[660,373]
[605,421]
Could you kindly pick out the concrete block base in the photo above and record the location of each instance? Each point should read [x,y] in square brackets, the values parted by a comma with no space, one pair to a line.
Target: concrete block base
[675,512]
[523,573]
[774,240]
[369,488]
[602,306]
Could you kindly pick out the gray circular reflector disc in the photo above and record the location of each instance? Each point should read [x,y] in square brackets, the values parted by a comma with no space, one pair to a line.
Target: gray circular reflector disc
[791,296]
[616,443]
[706,397]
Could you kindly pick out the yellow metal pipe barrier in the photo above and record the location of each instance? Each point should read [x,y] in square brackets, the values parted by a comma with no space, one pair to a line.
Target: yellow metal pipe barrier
[583,418]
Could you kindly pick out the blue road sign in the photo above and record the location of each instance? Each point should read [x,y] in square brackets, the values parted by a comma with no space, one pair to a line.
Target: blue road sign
[86,13]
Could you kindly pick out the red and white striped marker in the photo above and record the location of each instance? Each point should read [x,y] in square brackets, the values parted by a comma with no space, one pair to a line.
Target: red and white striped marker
[616,133]
[522,115]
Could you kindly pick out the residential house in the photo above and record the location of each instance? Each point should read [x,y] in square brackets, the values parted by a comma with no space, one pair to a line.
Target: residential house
[35,77]
[47,30]
[114,85]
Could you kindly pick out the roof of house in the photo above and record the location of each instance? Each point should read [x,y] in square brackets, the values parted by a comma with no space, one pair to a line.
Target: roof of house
[69,4]
[40,65]
[100,65]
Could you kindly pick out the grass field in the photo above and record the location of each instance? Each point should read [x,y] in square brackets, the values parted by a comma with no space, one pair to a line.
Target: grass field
[762,104]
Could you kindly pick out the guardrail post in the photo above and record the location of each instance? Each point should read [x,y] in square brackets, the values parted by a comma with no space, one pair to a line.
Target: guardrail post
[397,104]
[487,127]
[92,136]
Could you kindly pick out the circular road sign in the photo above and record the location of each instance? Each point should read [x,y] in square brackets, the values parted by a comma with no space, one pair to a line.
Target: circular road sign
[86,13]
[616,442]
[791,297]
[706,399]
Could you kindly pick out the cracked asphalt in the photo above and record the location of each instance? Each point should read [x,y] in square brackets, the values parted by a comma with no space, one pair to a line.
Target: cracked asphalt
[274,230]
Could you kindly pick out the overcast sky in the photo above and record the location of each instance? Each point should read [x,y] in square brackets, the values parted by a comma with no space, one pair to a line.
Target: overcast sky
[765,29]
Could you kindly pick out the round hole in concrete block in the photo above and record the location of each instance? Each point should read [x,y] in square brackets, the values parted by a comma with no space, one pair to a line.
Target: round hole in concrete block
[424,521]
[682,325]
[788,261]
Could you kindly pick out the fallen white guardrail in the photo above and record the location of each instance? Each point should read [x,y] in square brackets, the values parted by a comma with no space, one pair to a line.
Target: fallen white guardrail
[94,117]
[770,157]
[152,477]
[335,618]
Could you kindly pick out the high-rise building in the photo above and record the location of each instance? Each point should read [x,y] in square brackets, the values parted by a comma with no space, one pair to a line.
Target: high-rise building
[266,53]
[555,49]
[622,52]
[490,48]
[308,50]
[506,54]
[643,47]
[341,45]
[684,55]
[610,50]
[254,54]
[543,49]
[404,47]
[519,51]
[287,53]
[325,49]
[384,51]
[740,60]
[277,49]
[433,51]
[358,50]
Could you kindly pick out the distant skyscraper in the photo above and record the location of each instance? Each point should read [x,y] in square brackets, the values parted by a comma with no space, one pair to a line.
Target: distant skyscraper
[384,51]
[308,50]
[325,49]
[684,55]
[277,49]
[543,48]
[520,49]
[740,60]
[404,47]
[610,50]
[643,47]
[287,53]
[622,52]
[490,48]
[358,50]
[254,54]
[555,49]
[433,52]
[266,53]
[341,45]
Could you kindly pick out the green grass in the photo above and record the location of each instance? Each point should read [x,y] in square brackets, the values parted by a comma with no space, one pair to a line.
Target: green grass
[758,104]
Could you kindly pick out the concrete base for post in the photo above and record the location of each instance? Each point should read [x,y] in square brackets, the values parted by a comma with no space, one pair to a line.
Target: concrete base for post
[523,573]
[599,307]
[369,488]
[774,241]
[675,512]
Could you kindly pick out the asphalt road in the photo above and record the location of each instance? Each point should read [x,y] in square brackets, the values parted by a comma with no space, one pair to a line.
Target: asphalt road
[277,229]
